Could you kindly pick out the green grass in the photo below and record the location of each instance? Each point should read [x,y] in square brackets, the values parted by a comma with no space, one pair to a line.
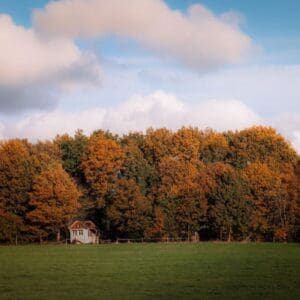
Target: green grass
[151,271]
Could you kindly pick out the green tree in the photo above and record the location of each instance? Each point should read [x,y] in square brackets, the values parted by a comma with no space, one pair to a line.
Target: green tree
[229,207]
[136,167]
[72,150]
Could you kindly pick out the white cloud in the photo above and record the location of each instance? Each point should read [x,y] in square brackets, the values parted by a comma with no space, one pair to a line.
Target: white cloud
[2,128]
[295,139]
[159,109]
[48,124]
[30,64]
[139,113]
[198,38]
[224,115]
[289,125]
[26,58]
[268,89]
[39,64]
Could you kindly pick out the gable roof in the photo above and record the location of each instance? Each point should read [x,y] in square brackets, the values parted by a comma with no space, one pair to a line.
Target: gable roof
[83,225]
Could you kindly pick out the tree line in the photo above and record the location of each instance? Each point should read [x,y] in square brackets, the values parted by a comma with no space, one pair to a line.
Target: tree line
[233,185]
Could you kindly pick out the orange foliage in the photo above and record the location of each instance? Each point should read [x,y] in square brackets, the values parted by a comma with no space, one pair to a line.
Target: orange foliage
[261,144]
[157,144]
[186,143]
[127,209]
[214,147]
[273,195]
[54,199]
[280,235]
[183,189]
[242,184]
[15,181]
[101,166]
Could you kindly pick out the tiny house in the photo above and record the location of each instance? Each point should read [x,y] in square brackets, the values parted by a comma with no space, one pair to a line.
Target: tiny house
[83,232]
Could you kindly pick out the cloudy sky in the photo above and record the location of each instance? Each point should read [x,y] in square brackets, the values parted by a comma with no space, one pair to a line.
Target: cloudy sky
[129,64]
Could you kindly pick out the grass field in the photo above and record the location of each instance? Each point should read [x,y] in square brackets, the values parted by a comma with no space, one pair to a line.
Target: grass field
[151,271]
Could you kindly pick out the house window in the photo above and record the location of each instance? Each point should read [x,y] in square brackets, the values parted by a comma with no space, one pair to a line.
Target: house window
[74,232]
[80,232]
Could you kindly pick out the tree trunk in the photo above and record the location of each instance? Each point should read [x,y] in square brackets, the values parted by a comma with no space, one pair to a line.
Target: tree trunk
[58,236]
[229,235]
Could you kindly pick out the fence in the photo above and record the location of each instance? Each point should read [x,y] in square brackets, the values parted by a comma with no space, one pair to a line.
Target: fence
[144,240]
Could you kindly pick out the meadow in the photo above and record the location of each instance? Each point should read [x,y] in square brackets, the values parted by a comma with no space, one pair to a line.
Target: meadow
[151,271]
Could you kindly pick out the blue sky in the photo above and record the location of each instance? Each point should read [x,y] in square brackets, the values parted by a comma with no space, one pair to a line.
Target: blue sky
[272,23]
[263,18]
[227,65]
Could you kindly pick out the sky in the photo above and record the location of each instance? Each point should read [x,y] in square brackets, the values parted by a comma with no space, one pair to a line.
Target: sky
[126,65]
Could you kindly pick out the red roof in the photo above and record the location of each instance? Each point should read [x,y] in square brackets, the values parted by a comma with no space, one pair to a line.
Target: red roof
[82,225]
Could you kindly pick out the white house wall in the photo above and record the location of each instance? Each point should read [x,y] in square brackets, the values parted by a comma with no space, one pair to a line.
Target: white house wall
[84,238]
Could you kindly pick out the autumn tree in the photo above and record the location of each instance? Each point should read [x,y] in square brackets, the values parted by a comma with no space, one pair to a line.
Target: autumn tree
[182,195]
[53,201]
[260,144]
[127,210]
[102,165]
[157,144]
[228,185]
[20,163]
[214,147]
[157,227]
[186,143]
[273,195]
[42,154]
[296,235]
[16,175]
[136,138]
